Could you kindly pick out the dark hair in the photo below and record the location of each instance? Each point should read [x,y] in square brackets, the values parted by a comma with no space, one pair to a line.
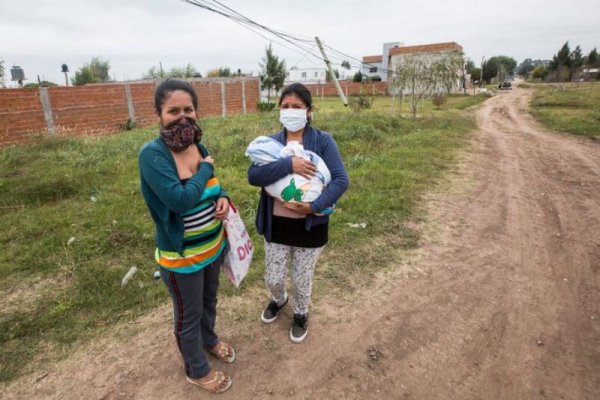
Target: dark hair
[170,85]
[299,90]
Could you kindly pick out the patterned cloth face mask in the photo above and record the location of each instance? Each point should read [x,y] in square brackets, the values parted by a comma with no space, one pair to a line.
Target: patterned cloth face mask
[181,133]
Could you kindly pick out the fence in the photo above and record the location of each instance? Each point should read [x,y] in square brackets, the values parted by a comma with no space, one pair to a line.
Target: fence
[349,88]
[107,108]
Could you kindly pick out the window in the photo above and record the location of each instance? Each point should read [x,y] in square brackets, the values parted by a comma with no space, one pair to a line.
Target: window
[373,69]
[304,75]
[316,74]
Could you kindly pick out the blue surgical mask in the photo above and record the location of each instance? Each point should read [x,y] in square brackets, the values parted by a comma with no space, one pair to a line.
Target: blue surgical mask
[294,119]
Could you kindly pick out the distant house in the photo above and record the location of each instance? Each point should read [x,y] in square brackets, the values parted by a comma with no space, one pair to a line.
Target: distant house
[378,65]
[383,65]
[313,75]
[306,75]
[429,52]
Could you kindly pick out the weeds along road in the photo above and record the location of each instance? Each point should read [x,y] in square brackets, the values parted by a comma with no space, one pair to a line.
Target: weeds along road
[503,302]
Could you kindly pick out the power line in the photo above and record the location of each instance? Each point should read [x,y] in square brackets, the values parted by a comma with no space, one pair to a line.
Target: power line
[299,43]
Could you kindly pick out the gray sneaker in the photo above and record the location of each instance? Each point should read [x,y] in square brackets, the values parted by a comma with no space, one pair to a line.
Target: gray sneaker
[299,328]
[272,310]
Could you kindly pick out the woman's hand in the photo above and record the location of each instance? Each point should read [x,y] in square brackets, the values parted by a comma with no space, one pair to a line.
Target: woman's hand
[222,208]
[303,167]
[208,159]
[298,207]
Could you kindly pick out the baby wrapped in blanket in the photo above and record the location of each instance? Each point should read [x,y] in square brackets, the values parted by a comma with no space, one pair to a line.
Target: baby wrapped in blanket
[293,187]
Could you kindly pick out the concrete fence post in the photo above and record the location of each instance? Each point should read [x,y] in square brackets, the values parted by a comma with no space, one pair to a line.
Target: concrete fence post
[223,100]
[244,97]
[130,108]
[45,100]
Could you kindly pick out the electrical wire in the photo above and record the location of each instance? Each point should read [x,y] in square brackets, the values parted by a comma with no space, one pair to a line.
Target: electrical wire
[299,43]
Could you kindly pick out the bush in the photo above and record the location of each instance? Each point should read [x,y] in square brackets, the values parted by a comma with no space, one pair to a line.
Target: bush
[438,100]
[266,106]
[360,102]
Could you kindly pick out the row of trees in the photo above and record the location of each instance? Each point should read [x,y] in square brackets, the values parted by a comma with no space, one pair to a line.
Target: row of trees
[500,68]
[566,65]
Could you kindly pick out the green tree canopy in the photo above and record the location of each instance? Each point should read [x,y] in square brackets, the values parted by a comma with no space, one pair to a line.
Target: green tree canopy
[273,72]
[41,84]
[592,58]
[219,72]
[94,72]
[358,77]
[502,64]
[328,76]
[189,71]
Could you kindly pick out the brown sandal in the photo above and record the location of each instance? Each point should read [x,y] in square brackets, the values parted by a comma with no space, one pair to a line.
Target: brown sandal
[224,352]
[218,384]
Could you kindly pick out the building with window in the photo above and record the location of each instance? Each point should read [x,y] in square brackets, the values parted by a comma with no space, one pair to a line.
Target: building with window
[306,75]
[373,66]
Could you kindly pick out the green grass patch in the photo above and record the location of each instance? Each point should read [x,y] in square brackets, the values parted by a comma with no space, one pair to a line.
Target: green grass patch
[74,222]
[568,107]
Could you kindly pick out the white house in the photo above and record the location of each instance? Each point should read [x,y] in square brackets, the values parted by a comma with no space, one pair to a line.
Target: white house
[429,52]
[378,65]
[306,75]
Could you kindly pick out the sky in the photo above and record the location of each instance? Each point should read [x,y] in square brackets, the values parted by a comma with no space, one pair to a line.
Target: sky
[135,35]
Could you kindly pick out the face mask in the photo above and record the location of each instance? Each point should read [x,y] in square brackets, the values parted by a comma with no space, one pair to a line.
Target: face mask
[179,134]
[293,119]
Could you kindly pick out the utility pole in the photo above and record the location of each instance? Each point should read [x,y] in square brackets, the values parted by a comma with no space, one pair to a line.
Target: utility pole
[481,72]
[337,84]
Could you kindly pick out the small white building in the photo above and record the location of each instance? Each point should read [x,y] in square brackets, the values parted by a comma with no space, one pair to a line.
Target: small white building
[306,75]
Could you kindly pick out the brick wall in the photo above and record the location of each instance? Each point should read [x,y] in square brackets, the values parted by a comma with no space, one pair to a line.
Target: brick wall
[20,114]
[349,88]
[103,109]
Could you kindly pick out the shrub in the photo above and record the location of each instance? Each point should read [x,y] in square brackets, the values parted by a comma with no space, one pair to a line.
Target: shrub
[438,100]
[360,102]
[266,106]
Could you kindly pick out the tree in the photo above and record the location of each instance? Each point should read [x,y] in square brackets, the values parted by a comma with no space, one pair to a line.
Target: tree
[561,63]
[183,72]
[491,67]
[528,65]
[346,64]
[155,73]
[328,76]
[540,72]
[448,70]
[576,60]
[273,72]
[592,59]
[94,72]
[358,77]
[41,84]
[219,72]
[473,70]
[189,71]
[525,67]
[415,75]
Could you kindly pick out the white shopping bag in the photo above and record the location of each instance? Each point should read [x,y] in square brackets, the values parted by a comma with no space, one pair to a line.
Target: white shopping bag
[239,247]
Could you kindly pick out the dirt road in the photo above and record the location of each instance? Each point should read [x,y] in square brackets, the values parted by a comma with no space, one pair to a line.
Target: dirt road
[503,302]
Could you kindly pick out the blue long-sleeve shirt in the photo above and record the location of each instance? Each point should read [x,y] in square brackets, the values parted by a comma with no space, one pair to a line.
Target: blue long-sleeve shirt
[324,146]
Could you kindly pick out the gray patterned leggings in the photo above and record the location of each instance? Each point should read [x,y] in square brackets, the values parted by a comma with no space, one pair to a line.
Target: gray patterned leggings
[277,258]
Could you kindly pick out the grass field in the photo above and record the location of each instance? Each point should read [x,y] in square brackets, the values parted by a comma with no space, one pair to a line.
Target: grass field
[568,107]
[74,222]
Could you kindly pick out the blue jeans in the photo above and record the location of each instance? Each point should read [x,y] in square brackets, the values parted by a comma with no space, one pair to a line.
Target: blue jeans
[195,313]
